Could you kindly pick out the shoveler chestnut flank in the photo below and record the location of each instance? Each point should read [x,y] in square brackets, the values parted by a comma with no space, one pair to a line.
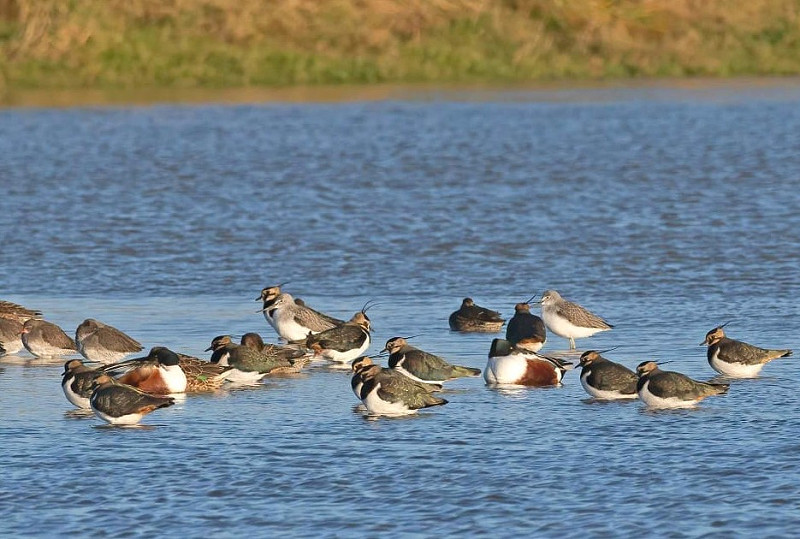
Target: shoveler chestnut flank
[511,365]
[159,373]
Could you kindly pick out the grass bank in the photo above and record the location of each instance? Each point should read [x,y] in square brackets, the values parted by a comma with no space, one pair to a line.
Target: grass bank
[233,43]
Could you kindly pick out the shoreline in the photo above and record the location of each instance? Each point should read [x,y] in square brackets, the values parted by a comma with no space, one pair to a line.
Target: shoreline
[655,89]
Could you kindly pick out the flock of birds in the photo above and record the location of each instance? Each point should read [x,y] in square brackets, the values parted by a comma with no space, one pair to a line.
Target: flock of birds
[122,391]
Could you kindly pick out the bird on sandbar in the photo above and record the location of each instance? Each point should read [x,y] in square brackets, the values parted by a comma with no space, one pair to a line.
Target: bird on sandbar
[46,340]
[103,343]
[569,320]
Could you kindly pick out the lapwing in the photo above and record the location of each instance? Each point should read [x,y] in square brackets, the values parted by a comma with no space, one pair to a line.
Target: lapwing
[421,366]
[605,380]
[737,359]
[76,381]
[121,404]
[667,389]
[386,392]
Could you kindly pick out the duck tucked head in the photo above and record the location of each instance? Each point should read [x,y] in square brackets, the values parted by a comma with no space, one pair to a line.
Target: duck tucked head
[163,355]
[522,308]
[253,340]
[500,347]
[646,368]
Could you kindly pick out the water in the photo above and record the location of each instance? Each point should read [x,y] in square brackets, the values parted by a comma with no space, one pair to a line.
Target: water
[665,212]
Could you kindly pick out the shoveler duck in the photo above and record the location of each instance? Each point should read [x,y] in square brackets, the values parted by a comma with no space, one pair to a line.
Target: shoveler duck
[511,365]
[76,381]
[737,359]
[389,393]
[605,380]
[121,404]
[569,320]
[103,343]
[159,373]
[294,322]
[345,342]
[526,330]
[667,389]
[422,366]
[46,340]
[471,317]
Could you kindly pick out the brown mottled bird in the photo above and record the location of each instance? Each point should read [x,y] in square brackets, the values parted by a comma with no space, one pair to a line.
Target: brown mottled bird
[103,343]
[46,340]
[471,317]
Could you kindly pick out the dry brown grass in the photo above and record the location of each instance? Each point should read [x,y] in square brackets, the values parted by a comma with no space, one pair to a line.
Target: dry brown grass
[252,42]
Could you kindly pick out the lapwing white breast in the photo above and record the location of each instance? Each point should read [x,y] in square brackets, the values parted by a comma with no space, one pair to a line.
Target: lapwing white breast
[605,380]
[667,389]
[121,404]
[421,366]
[737,359]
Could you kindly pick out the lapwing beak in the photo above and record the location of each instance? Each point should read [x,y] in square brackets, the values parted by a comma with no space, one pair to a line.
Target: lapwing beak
[208,349]
[258,298]
[530,299]
[702,343]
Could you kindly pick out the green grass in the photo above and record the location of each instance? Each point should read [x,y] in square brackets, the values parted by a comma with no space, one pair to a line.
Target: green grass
[50,44]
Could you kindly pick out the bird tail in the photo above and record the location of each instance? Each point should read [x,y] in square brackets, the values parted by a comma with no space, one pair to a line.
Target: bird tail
[434,401]
[719,389]
[465,371]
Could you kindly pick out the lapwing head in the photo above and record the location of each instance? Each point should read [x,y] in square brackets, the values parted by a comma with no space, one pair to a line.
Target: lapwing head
[361,363]
[100,381]
[715,335]
[271,292]
[361,319]
[253,340]
[394,345]
[218,342]
[549,297]
[499,348]
[163,355]
[645,368]
[589,357]
[71,365]
[467,302]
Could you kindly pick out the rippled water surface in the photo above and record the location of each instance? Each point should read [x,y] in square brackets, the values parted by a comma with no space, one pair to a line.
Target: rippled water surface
[666,212]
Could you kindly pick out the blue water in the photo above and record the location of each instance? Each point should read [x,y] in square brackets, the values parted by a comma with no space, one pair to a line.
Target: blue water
[665,213]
